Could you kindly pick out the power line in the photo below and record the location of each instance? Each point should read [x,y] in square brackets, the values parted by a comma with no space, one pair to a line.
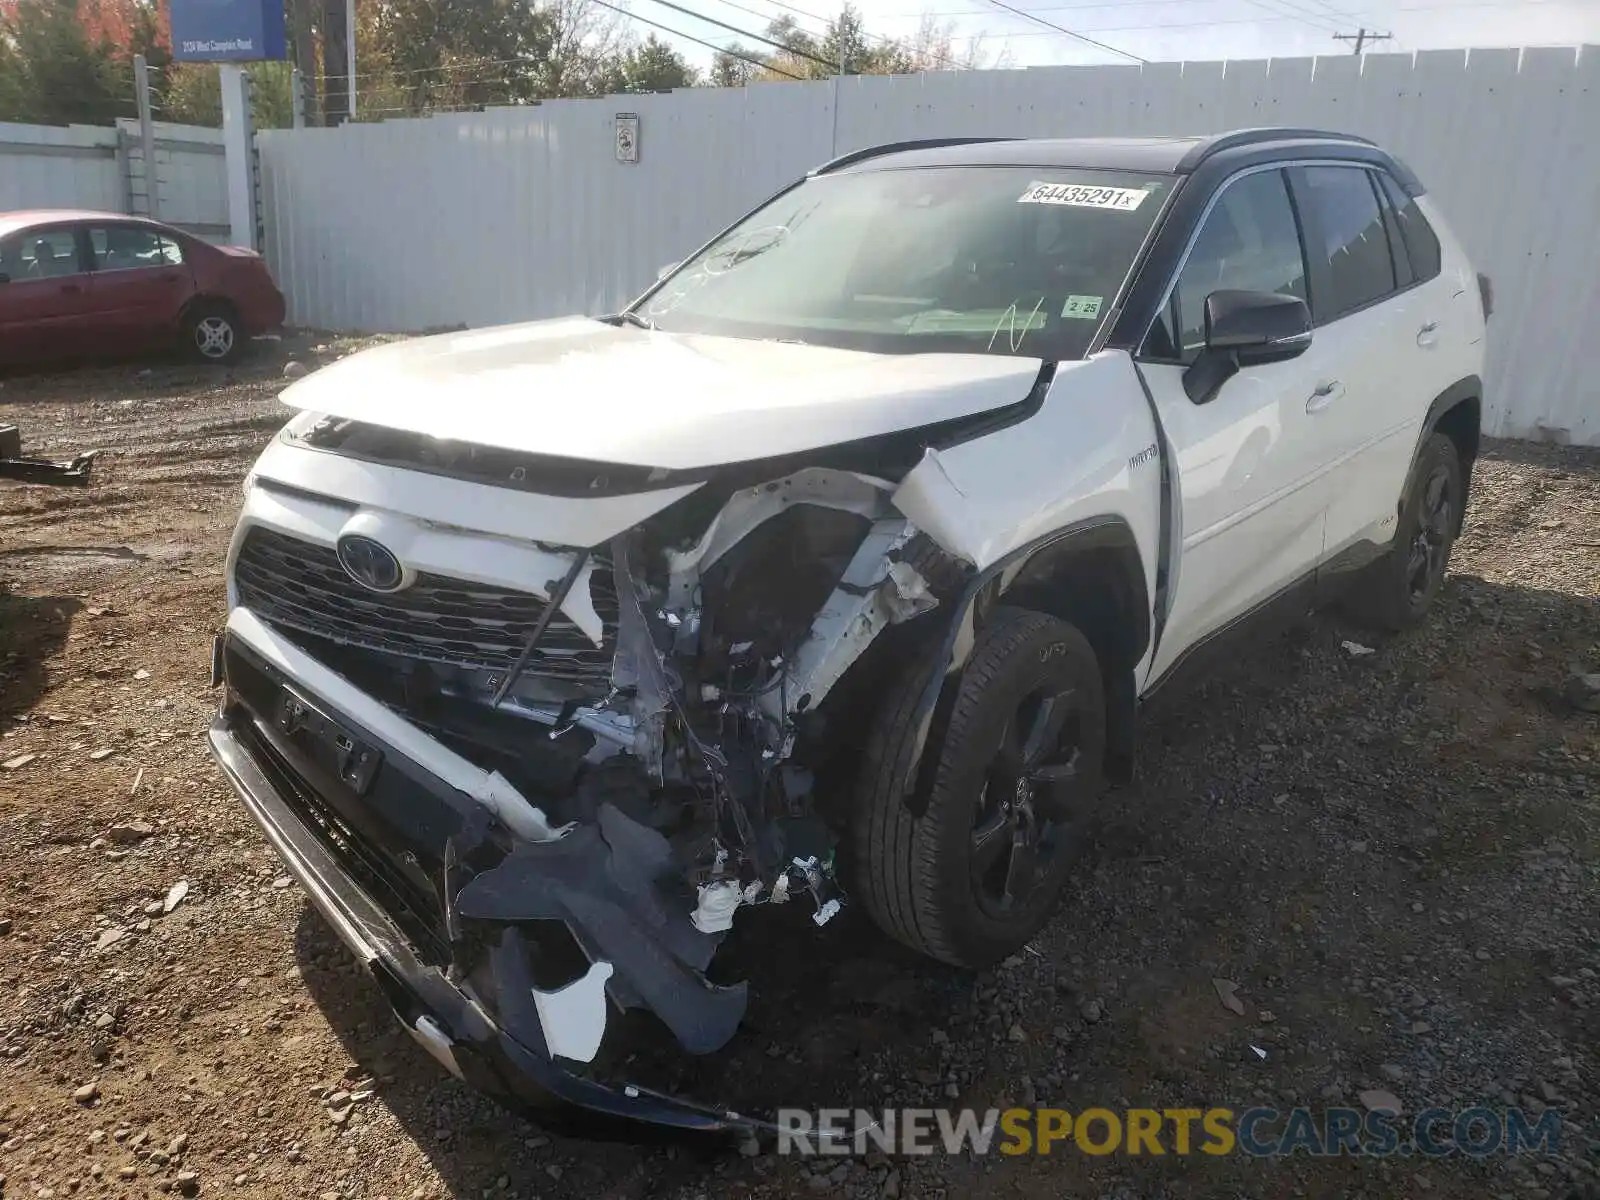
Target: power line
[1063,29]
[1296,14]
[481,64]
[1125,4]
[466,64]
[1159,26]
[754,62]
[742,33]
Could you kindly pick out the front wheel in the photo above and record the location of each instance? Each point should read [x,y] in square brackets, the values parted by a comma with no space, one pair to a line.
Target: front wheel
[1017,766]
[1398,590]
[212,334]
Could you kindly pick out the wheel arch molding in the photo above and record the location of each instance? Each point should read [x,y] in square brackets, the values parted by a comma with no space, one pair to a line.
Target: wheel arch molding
[1089,573]
[1456,412]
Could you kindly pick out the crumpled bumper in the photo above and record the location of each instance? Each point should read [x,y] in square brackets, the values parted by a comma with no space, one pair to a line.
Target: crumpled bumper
[448,1022]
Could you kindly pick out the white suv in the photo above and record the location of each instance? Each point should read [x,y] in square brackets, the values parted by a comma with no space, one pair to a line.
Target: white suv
[830,572]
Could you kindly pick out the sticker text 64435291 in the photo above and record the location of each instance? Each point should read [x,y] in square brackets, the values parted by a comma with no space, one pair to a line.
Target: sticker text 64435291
[1078,195]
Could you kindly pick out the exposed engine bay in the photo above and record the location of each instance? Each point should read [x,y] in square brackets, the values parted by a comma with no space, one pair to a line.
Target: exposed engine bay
[654,725]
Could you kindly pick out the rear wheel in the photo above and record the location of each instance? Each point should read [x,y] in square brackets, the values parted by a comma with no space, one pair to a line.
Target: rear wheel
[1398,590]
[211,332]
[1017,766]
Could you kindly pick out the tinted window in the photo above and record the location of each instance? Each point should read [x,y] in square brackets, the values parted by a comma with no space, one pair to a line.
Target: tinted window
[1404,276]
[40,254]
[126,248]
[1249,241]
[1422,244]
[1353,238]
[990,260]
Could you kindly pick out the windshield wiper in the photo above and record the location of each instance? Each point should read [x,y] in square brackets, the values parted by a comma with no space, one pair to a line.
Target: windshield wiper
[629,317]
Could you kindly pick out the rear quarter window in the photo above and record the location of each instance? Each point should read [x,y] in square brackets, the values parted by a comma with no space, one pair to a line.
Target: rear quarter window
[1422,244]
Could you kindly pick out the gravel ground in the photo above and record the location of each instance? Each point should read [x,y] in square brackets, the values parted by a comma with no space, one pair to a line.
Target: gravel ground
[1394,856]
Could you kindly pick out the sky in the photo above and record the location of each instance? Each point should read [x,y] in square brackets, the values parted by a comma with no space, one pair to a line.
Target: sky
[1166,30]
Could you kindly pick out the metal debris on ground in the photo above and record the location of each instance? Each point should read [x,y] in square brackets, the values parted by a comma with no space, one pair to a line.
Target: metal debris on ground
[1227,992]
[1356,649]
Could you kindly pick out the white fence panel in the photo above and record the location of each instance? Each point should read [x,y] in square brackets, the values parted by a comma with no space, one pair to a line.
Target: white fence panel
[524,212]
[49,166]
[102,169]
[518,212]
[191,177]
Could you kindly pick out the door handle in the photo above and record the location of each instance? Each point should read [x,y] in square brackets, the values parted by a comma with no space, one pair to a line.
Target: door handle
[1325,395]
[70,289]
[169,279]
[1428,334]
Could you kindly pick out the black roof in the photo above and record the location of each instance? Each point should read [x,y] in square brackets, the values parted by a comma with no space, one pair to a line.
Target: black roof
[1164,155]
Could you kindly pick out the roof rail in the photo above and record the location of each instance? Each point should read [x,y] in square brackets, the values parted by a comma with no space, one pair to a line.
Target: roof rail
[1250,137]
[855,156]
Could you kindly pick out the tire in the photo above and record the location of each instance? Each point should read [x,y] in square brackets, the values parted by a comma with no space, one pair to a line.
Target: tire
[920,877]
[1398,590]
[212,333]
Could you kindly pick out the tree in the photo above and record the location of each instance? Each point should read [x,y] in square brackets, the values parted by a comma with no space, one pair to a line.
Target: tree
[56,74]
[932,48]
[453,53]
[654,66]
[846,44]
[732,67]
[586,48]
[191,94]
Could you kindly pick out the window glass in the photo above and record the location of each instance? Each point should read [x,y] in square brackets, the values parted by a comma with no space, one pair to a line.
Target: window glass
[127,248]
[989,260]
[1249,241]
[1422,244]
[40,254]
[1354,243]
[1404,276]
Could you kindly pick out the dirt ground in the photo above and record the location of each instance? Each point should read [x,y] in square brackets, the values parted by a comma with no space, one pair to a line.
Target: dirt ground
[1395,856]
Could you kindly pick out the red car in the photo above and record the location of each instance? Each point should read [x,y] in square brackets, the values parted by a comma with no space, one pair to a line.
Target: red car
[77,285]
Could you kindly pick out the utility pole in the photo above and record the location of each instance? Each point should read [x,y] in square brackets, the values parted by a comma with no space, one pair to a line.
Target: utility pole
[238,144]
[1361,37]
[147,135]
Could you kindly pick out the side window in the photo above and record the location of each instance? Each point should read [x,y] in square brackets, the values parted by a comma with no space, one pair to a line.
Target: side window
[40,254]
[128,248]
[11,257]
[1422,244]
[1353,238]
[1404,276]
[1249,241]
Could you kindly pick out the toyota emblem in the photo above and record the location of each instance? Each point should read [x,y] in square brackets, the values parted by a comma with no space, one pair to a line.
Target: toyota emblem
[371,564]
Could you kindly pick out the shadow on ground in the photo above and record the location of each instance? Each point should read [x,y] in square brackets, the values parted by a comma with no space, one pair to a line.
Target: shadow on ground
[32,631]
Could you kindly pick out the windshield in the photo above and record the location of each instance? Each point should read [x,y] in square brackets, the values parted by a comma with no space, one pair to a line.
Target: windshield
[992,260]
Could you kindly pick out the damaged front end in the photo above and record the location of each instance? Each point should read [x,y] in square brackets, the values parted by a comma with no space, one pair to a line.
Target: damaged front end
[548,804]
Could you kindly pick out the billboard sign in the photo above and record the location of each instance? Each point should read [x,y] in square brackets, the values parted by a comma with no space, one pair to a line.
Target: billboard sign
[228,30]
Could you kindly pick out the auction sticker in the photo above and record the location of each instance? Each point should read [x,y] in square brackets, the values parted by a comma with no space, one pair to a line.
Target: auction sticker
[1078,195]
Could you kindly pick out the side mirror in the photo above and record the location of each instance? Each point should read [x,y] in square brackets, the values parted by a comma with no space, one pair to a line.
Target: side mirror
[1246,329]
[666,270]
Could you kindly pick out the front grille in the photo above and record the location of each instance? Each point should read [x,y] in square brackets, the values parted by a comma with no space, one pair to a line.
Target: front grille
[300,586]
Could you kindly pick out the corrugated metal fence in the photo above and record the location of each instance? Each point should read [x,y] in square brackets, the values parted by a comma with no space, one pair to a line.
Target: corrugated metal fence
[526,212]
[84,166]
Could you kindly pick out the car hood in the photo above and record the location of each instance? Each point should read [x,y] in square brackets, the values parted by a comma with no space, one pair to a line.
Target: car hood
[585,389]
